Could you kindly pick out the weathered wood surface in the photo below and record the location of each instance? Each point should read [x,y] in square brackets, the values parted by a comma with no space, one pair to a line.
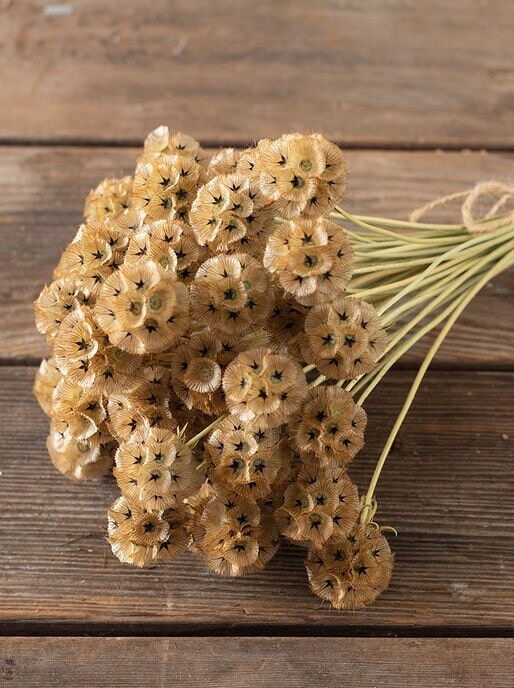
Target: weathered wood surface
[43,190]
[256,662]
[447,488]
[376,73]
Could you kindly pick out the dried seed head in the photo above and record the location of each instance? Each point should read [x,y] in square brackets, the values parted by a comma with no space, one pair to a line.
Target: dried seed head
[351,572]
[345,337]
[330,425]
[110,198]
[226,210]
[143,309]
[231,294]
[302,175]
[319,503]
[264,386]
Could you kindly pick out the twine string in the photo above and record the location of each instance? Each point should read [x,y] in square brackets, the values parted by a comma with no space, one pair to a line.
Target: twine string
[476,223]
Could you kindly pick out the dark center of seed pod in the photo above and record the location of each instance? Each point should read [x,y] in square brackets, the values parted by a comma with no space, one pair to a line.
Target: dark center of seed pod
[276,376]
[82,446]
[298,182]
[151,324]
[155,302]
[306,165]
[136,307]
[310,261]
[315,520]
[229,294]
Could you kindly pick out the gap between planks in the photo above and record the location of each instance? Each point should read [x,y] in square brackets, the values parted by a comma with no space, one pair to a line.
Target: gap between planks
[408,146]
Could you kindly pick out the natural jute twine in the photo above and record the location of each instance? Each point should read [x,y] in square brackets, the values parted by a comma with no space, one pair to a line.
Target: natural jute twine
[489,221]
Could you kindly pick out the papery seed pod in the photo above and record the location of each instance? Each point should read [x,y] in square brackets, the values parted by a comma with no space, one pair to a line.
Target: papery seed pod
[224,162]
[345,338]
[141,406]
[232,538]
[142,309]
[302,175]
[312,259]
[110,198]
[81,459]
[140,537]
[161,142]
[227,209]
[47,378]
[242,459]
[166,186]
[157,472]
[330,425]
[231,294]
[78,348]
[319,503]
[56,301]
[94,254]
[264,386]
[351,572]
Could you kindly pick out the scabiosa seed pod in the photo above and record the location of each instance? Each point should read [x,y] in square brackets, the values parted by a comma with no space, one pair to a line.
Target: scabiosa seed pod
[196,372]
[312,259]
[141,405]
[162,142]
[224,162]
[55,302]
[80,410]
[78,348]
[81,459]
[345,337]
[109,200]
[351,572]
[235,541]
[231,294]
[318,504]
[227,209]
[166,187]
[245,460]
[264,386]
[94,254]
[330,425]
[143,309]
[47,378]
[141,537]
[156,473]
[302,175]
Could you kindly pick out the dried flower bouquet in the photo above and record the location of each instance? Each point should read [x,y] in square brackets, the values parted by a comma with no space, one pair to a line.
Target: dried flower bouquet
[217,326]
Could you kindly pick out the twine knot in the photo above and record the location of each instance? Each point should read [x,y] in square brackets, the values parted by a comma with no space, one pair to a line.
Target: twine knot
[487,221]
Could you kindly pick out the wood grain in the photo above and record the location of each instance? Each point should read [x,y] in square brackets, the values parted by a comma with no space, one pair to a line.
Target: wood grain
[256,662]
[44,189]
[374,73]
[447,488]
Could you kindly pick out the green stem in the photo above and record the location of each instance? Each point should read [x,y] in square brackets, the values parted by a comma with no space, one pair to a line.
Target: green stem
[194,440]
[461,304]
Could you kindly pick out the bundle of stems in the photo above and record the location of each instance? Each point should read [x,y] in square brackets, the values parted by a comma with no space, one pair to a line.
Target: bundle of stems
[419,276]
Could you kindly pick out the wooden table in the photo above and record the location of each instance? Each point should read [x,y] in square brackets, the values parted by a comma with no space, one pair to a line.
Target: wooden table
[394,82]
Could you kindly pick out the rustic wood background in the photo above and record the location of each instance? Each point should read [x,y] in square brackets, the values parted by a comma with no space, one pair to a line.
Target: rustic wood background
[422,97]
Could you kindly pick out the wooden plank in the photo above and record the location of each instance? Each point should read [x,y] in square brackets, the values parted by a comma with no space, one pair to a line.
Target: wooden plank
[447,488]
[256,662]
[44,189]
[367,73]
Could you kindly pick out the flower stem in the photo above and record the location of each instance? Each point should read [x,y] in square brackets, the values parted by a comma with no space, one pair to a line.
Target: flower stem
[459,306]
